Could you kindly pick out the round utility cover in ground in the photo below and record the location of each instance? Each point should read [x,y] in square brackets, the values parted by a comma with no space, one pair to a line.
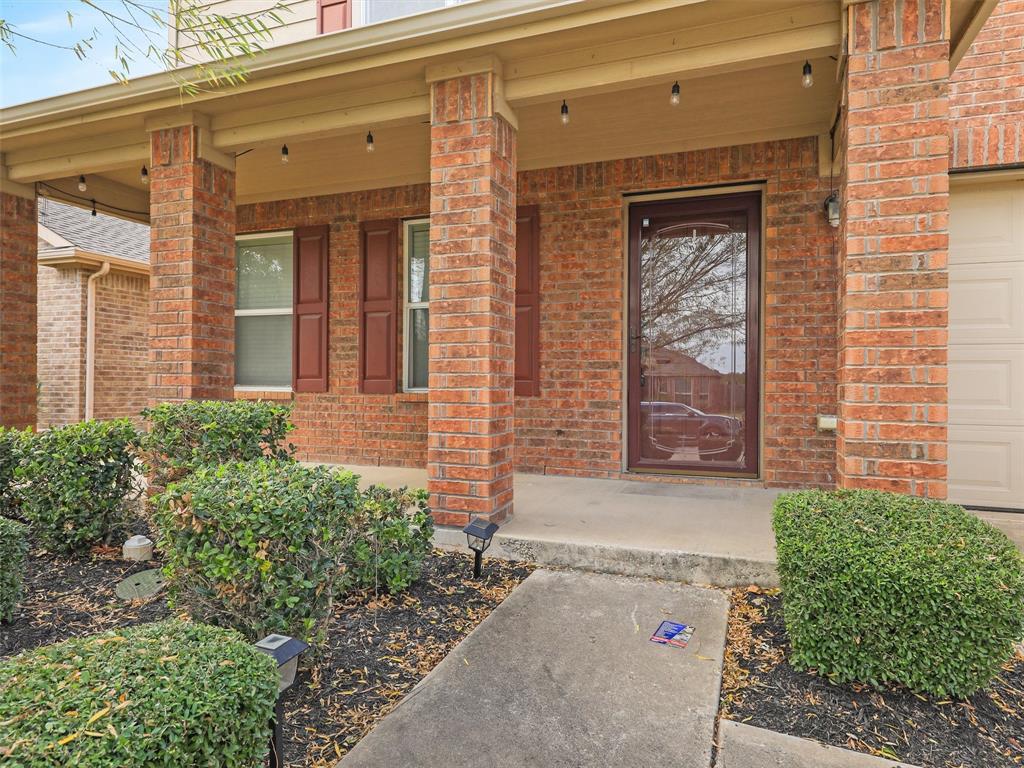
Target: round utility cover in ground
[141,585]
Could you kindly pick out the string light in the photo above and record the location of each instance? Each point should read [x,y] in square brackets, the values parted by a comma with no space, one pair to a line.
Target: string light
[82,186]
[369,141]
[674,98]
[565,113]
[284,154]
[808,78]
[93,207]
[144,175]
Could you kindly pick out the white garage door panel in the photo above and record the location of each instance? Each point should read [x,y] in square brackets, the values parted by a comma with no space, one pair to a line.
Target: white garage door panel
[986,344]
[984,465]
[986,223]
[986,385]
[987,303]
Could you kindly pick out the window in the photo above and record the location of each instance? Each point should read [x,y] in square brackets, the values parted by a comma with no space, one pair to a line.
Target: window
[263,311]
[417,297]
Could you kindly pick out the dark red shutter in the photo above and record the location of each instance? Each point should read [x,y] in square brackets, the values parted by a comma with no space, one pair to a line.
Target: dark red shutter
[378,307]
[527,300]
[332,15]
[310,334]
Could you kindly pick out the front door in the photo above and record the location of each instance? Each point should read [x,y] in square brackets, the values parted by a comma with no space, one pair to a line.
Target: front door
[693,334]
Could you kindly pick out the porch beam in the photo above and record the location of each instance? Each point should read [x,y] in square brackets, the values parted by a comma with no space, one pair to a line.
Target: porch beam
[73,164]
[698,61]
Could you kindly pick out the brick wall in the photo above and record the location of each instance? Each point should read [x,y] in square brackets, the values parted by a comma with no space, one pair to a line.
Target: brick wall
[18,269]
[341,424]
[122,345]
[62,301]
[575,425]
[894,284]
[987,93]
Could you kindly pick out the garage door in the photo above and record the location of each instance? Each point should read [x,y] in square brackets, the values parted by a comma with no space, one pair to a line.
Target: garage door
[986,344]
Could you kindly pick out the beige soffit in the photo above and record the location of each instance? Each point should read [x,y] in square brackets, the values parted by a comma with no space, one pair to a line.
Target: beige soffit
[75,257]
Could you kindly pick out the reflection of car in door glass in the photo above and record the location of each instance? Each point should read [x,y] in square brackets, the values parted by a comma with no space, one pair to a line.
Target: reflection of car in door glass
[671,427]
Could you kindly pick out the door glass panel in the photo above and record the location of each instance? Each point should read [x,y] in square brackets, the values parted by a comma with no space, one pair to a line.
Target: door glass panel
[690,346]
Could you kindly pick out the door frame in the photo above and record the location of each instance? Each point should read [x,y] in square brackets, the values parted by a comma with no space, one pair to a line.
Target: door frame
[708,199]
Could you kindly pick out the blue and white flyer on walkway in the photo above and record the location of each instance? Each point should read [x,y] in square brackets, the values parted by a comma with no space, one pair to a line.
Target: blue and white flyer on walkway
[670,633]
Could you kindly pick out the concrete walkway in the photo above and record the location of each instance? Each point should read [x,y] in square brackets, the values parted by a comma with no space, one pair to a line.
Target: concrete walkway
[563,674]
[683,532]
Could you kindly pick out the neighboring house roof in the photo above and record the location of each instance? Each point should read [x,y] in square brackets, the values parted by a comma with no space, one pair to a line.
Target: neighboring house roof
[63,226]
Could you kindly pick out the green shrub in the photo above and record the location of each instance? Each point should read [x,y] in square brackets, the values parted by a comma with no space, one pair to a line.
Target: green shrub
[77,482]
[184,436]
[13,548]
[257,545]
[12,446]
[879,587]
[393,531]
[168,694]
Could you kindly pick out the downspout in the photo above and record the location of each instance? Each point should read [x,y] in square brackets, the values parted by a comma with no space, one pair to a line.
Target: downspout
[90,338]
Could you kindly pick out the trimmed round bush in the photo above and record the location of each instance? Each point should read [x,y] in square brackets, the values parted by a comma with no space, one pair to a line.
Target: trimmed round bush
[393,535]
[884,588]
[13,548]
[257,545]
[77,481]
[167,694]
[184,436]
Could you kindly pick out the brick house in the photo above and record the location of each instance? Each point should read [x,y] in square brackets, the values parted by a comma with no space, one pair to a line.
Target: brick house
[453,239]
[91,368]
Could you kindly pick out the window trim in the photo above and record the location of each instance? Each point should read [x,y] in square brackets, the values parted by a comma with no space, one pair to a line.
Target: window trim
[408,306]
[266,312]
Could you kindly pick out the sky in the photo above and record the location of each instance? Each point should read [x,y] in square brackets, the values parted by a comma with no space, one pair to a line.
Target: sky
[36,71]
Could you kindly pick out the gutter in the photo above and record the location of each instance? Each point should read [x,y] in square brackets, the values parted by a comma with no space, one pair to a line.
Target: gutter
[90,338]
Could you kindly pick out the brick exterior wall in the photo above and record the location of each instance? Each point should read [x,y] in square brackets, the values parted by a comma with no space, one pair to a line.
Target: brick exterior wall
[18,269]
[192,262]
[122,346]
[987,93]
[575,425]
[893,297]
[472,303]
[62,314]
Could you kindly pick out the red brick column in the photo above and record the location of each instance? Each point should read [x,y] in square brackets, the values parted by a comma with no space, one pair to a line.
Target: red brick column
[18,268]
[472,279]
[192,261]
[893,288]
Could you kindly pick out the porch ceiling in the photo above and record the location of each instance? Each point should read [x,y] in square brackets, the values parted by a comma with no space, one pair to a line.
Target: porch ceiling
[738,62]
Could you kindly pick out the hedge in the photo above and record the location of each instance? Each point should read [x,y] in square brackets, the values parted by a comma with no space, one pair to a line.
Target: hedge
[12,442]
[257,546]
[13,548]
[393,535]
[883,588]
[160,695]
[76,483]
[184,436]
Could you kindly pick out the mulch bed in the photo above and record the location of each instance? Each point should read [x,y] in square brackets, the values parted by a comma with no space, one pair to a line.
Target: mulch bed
[760,688]
[378,647]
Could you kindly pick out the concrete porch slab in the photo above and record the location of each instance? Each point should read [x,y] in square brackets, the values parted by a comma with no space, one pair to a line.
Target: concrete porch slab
[691,533]
[563,674]
[745,746]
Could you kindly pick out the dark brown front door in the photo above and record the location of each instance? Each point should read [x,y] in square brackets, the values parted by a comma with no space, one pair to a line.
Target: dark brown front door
[693,334]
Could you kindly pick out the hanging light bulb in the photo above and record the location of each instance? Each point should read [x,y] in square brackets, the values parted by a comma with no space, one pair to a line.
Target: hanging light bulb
[369,141]
[82,186]
[674,98]
[144,175]
[93,207]
[565,113]
[808,78]
[284,154]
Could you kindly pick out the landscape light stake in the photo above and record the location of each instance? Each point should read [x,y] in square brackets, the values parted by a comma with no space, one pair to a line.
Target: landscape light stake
[478,537]
[285,651]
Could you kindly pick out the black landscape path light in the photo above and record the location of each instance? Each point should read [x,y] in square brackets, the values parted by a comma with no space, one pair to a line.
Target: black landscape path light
[478,536]
[285,651]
